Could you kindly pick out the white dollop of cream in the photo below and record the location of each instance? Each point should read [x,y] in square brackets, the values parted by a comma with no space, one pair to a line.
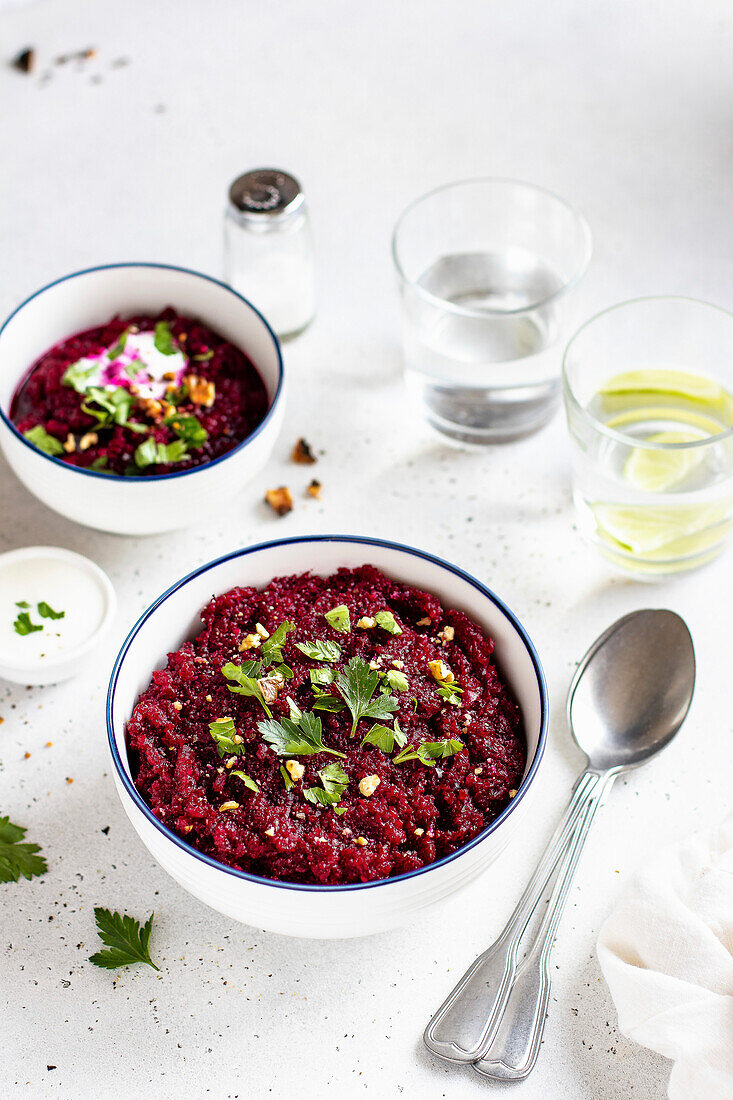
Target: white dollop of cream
[140,364]
[63,585]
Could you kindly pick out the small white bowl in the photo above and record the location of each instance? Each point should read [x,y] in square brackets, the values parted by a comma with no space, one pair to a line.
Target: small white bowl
[87,595]
[331,912]
[135,505]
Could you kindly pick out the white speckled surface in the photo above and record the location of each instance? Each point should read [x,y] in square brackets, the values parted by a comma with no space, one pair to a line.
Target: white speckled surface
[623,109]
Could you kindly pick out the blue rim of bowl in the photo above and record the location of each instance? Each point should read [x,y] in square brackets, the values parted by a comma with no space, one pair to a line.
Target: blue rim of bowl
[314,887]
[134,479]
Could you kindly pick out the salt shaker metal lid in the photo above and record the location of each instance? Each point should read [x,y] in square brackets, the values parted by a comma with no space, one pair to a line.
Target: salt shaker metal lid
[265,195]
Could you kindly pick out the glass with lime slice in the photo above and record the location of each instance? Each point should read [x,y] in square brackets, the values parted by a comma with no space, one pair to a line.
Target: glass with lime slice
[648,389]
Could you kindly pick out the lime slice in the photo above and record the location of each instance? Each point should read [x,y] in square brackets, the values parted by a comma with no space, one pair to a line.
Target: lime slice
[640,394]
[669,383]
[648,529]
[657,471]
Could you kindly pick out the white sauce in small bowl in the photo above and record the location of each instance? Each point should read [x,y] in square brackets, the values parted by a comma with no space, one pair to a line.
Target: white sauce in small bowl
[48,578]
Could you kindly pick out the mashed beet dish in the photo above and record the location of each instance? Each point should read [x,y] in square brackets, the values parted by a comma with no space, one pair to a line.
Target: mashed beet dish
[146,395]
[328,730]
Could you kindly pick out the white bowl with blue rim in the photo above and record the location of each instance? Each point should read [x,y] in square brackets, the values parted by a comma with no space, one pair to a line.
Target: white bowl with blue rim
[332,912]
[155,503]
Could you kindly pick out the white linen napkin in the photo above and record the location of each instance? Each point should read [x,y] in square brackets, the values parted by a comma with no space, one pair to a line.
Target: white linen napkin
[666,952]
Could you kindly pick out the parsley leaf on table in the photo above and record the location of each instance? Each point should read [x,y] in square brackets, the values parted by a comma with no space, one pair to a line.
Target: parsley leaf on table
[17,858]
[357,684]
[126,940]
[301,736]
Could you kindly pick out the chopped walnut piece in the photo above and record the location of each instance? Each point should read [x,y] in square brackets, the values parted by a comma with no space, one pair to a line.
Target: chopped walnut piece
[478,771]
[177,705]
[25,61]
[368,785]
[366,622]
[250,641]
[303,454]
[419,832]
[269,686]
[200,390]
[427,621]
[314,489]
[270,831]
[295,770]
[263,633]
[440,671]
[169,376]
[150,407]
[186,828]
[512,794]
[69,444]
[447,634]
[228,806]
[230,761]
[88,440]
[280,500]
[362,841]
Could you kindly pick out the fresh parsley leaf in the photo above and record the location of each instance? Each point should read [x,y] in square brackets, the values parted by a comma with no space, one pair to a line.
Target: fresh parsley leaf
[245,683]
[285,671]
[385,738]
[320,651]
[113,405]
[301,738]
[23,624]
[77,375]
[246,779]
[325,701]
[126,940]
[40,438]
[271,649]
[151,453]
[47,612]
[164,342]
[18,858]
[188,428]
[357,684]
[322,675]
[204,356]
[22,603]
[99,463]
[118,348]
[339,618]
[452,693]
[397,679]
[286,777]
[334,780]
[295,712]
[429,751]
[387,621]
[177,396]
[223,732]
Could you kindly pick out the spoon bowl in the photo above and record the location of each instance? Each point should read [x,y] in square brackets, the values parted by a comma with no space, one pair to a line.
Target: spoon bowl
[632,690]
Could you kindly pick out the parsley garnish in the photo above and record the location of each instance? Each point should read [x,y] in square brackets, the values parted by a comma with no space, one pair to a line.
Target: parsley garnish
[40,438]
[114,407]
[245,681]
[452,693]
[339,618]
[387,621]
[322,676]
[151,453]
[300,736]
[320,651]
[385,738]
[99,463]
[77,375]
[325,701]
[188,428]
[286,777]
[397,680]
[335,781]
[18,858]
[357,684]
[204,356]
[47,612]
[119,347]
[224,731]
[23,624]
[246,779]
[271,648]
[22,603]
[429,751]
[164,342]
[126,940]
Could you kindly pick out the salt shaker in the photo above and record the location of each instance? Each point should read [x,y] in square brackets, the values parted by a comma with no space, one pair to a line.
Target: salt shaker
[268,248]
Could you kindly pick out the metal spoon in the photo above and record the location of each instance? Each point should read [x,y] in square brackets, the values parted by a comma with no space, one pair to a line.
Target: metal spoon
[628,698]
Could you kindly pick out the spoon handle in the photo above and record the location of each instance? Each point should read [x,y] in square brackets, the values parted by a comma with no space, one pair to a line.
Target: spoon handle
[514,1049]
[464,1027]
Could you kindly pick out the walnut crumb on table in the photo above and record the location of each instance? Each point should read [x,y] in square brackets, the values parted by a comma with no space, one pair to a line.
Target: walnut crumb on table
[280,500]
[302,453]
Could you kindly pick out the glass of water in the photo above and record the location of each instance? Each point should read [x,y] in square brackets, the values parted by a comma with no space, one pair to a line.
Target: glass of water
[648,388]
[486,269]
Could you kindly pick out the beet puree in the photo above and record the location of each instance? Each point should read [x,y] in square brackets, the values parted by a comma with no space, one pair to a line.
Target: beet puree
[416,814]
[240,403]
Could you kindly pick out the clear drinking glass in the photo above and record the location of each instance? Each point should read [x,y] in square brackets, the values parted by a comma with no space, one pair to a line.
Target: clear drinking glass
[485,269]
[648,388]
